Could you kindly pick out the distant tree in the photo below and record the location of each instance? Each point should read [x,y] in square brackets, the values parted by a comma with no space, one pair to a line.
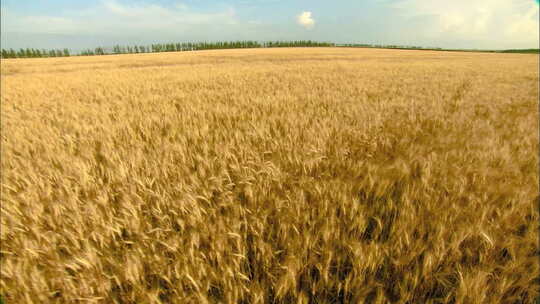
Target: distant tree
[90,52]
[184,46]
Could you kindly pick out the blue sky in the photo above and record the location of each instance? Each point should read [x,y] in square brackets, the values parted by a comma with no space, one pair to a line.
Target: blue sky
[491,24]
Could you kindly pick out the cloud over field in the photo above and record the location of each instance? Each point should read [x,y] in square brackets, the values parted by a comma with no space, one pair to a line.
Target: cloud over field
[305,20]
[120,17]
[510,21]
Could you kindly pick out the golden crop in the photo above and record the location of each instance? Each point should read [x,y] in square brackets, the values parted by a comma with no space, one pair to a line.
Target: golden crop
[322,175]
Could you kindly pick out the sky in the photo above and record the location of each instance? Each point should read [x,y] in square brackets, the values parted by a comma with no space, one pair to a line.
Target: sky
[77,24]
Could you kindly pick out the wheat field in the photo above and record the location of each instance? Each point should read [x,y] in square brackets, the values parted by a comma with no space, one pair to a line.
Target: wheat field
[323,175]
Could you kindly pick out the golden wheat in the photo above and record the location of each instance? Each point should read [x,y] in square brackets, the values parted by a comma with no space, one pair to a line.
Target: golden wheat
[271,176]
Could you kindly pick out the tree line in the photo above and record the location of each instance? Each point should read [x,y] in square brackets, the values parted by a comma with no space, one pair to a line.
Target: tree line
[386,46]
[34,53]
[196,46]
[161,47]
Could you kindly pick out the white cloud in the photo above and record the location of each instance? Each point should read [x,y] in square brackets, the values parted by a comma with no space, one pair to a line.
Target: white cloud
[181,6]
[11,21]
[305,20]
[512,22]
[112,16]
